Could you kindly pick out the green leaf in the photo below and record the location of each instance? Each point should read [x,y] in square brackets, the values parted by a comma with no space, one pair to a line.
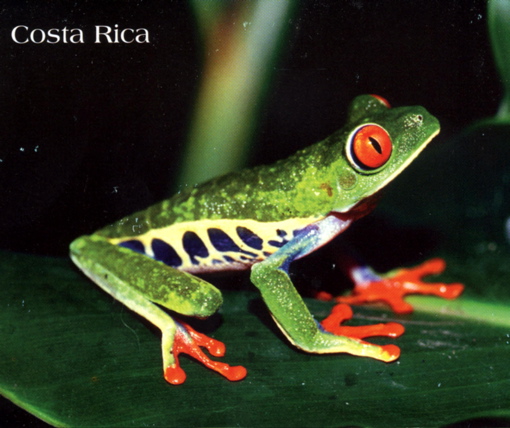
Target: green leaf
[74,357]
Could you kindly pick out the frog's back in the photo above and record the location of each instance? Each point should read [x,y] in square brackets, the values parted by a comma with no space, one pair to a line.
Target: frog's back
[221,224]
[268,193]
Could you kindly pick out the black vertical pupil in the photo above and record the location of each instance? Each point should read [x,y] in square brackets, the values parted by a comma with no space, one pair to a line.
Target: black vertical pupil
[375,145]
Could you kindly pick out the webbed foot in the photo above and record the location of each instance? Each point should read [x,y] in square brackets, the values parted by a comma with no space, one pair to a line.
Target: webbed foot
[392,288]
[188,341]
[343,312]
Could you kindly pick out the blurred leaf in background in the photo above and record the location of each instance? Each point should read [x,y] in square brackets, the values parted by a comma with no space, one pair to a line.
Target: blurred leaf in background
[498,16]
[241,44]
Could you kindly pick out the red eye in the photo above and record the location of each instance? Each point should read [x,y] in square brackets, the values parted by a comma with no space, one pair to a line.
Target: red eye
[370,147]
[382,100]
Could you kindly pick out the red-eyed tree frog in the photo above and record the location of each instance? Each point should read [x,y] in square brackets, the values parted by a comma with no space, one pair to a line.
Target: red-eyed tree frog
[263,219]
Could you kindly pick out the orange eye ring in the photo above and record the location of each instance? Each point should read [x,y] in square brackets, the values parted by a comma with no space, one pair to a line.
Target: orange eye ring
[370,147]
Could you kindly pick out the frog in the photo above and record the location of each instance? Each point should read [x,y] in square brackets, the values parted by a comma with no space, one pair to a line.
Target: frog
[262,219]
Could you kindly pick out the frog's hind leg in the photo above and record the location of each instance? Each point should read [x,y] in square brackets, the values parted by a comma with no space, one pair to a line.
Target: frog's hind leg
[187,340]
[139,282]
[392,287]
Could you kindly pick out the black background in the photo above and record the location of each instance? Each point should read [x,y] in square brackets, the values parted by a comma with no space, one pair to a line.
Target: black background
[90,132]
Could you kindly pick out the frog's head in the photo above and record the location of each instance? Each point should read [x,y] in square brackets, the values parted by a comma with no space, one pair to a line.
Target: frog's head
[377,144]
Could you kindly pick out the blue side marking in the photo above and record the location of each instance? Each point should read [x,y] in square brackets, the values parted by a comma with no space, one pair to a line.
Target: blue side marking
[277,244]
[165,253]
[194,246]
[222,242]
[134,245]
[281,233]
[249,238]
[301,243]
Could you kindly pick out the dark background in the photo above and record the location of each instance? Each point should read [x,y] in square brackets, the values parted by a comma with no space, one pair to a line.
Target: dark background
[89,133]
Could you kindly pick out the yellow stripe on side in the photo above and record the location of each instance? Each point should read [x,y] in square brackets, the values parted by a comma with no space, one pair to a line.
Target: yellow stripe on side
[173,235]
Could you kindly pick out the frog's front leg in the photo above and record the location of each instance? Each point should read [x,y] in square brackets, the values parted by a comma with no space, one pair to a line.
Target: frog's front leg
[289,310]
[139,282]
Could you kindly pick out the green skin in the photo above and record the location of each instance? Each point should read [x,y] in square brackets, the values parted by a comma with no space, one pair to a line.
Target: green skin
[308,187]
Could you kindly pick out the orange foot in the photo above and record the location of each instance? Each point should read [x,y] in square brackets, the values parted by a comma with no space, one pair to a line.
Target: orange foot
[343,312]
[393,288]
[188,341]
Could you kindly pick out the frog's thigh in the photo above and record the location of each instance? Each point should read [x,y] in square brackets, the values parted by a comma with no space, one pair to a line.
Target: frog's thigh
[137,280]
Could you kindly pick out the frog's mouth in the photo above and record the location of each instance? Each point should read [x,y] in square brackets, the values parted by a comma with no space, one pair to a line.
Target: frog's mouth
[361,209]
